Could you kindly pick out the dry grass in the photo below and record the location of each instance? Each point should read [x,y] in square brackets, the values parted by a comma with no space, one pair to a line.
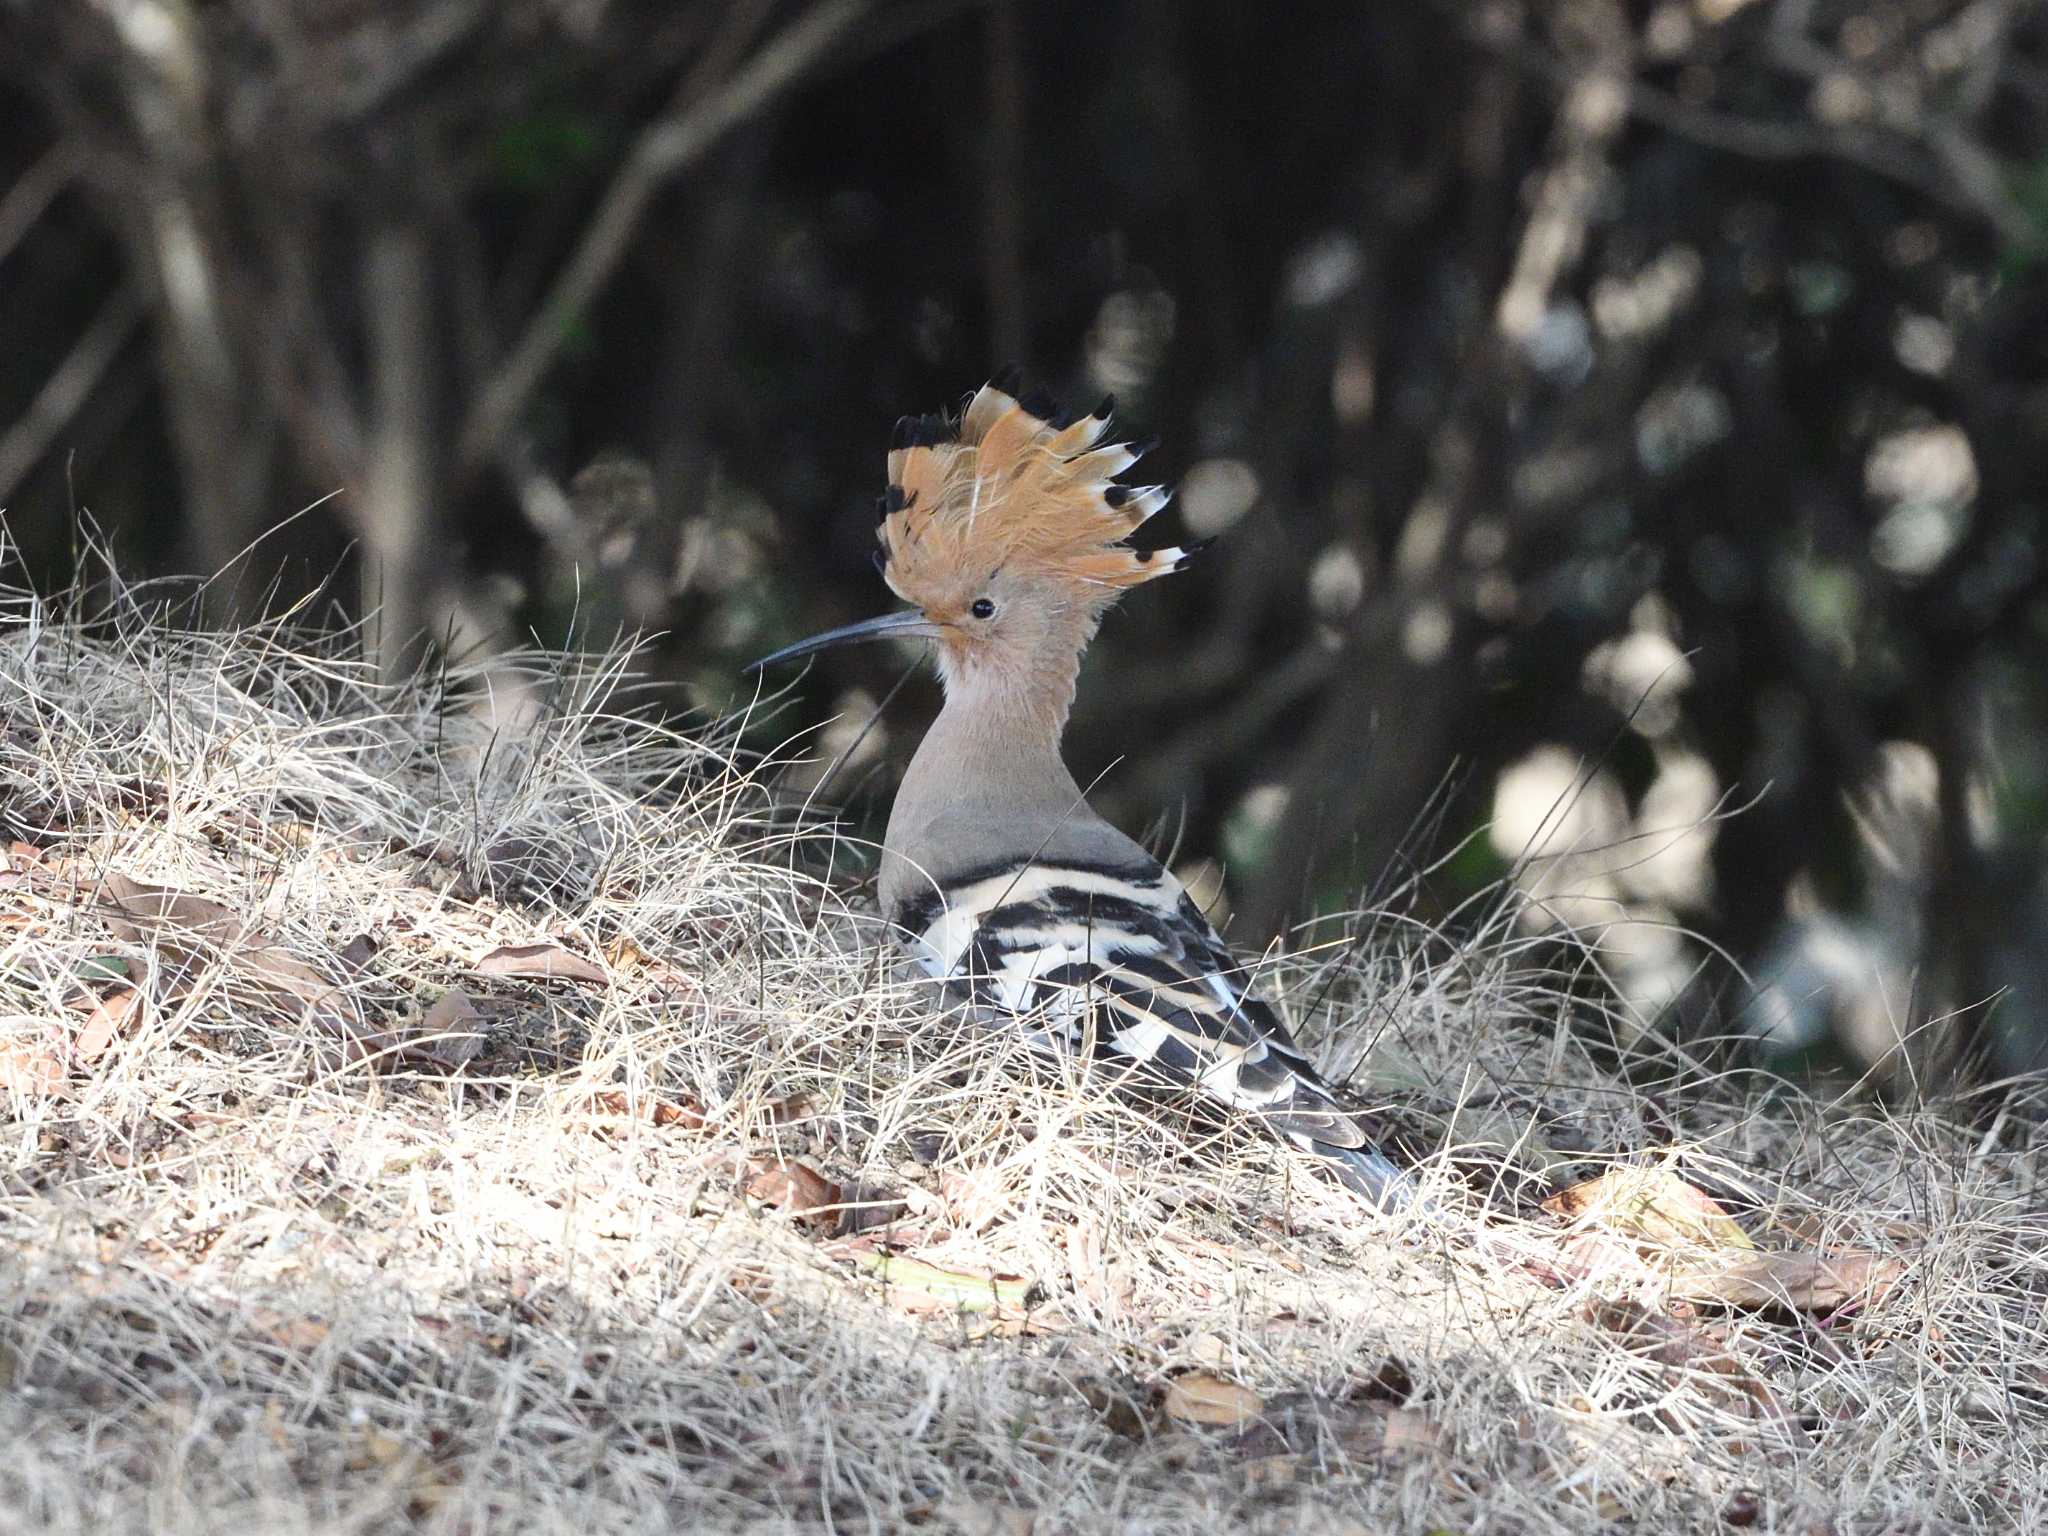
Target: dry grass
[255,1282]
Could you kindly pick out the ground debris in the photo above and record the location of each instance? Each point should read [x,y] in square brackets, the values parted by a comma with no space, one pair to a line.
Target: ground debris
[715,1225]
[541,962]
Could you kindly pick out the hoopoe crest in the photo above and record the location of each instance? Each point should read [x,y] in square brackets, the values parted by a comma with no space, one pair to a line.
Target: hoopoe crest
[1007,531]
[1007,489]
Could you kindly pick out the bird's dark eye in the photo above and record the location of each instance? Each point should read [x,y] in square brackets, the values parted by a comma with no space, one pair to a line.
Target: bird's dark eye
[984,608]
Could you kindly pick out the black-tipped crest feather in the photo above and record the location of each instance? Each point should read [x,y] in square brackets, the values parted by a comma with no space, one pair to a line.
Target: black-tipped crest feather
[1013,477]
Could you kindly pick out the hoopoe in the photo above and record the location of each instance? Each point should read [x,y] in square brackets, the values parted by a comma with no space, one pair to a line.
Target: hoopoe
[1005,530]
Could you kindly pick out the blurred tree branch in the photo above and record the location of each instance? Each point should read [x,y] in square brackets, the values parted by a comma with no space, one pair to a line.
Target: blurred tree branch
[32,193]
[1937,157]
[696,121]
[65,391]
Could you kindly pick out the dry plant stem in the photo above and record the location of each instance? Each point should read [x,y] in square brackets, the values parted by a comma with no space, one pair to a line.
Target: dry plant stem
[699,1220]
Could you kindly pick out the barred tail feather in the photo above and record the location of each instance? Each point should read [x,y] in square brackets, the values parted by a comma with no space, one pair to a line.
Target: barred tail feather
[1366,1173]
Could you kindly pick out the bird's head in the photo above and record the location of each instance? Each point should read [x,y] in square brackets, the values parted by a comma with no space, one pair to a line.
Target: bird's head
[1006,531]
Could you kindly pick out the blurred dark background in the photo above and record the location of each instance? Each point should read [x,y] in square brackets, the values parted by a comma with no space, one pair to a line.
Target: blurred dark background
[1616,416]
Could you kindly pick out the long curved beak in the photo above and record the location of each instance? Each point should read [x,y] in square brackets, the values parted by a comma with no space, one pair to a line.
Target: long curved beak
[908,622]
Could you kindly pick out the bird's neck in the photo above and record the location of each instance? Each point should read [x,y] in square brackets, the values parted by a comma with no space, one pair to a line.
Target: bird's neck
[987,782]
[999,734]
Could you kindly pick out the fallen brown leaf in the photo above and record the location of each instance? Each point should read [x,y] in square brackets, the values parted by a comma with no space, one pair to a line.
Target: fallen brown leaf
[30,1067]
[1652,1205]
[1798,1281]
[296,1332]
[867,1208]
[624,954]
[1201,1398]
[794,1187]
[541,962]
[1570,1258]
[116,1015]
[688,1114]
[791,1108]
[1827,1230]
[185,928]
[1682,1346]
[451,1032]
[974,1198]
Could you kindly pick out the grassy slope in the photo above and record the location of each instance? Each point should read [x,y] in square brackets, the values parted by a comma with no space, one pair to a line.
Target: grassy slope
[256,1281]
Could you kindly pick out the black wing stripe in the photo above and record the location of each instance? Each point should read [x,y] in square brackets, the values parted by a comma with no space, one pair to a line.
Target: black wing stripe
[1091,911]
[1051,939]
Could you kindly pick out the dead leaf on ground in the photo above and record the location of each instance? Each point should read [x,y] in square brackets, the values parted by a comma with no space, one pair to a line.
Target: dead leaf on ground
[1652,1205]
[974,1198]
[297,1332]
[1103,1280]
[626,957]
[186,928]
[791,1108]
[616,1102]
[1202,1398]
[951,1289]
[623,954]
[869,1208]
[541,962]
[1683,1346]
[1566,1258]
[451,1032]
[30,1066]
[118,1014]
[358,952]
[797,1188]
[1797,1281]
[1826,1231]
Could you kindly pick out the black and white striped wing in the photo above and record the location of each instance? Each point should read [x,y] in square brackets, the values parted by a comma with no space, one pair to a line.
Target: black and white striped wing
[1066,948]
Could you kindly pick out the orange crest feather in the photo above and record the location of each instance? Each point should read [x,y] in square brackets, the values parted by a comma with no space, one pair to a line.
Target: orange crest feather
[1011,482]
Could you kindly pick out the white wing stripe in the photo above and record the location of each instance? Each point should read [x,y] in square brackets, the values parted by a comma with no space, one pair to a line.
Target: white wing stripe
[1055,946]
